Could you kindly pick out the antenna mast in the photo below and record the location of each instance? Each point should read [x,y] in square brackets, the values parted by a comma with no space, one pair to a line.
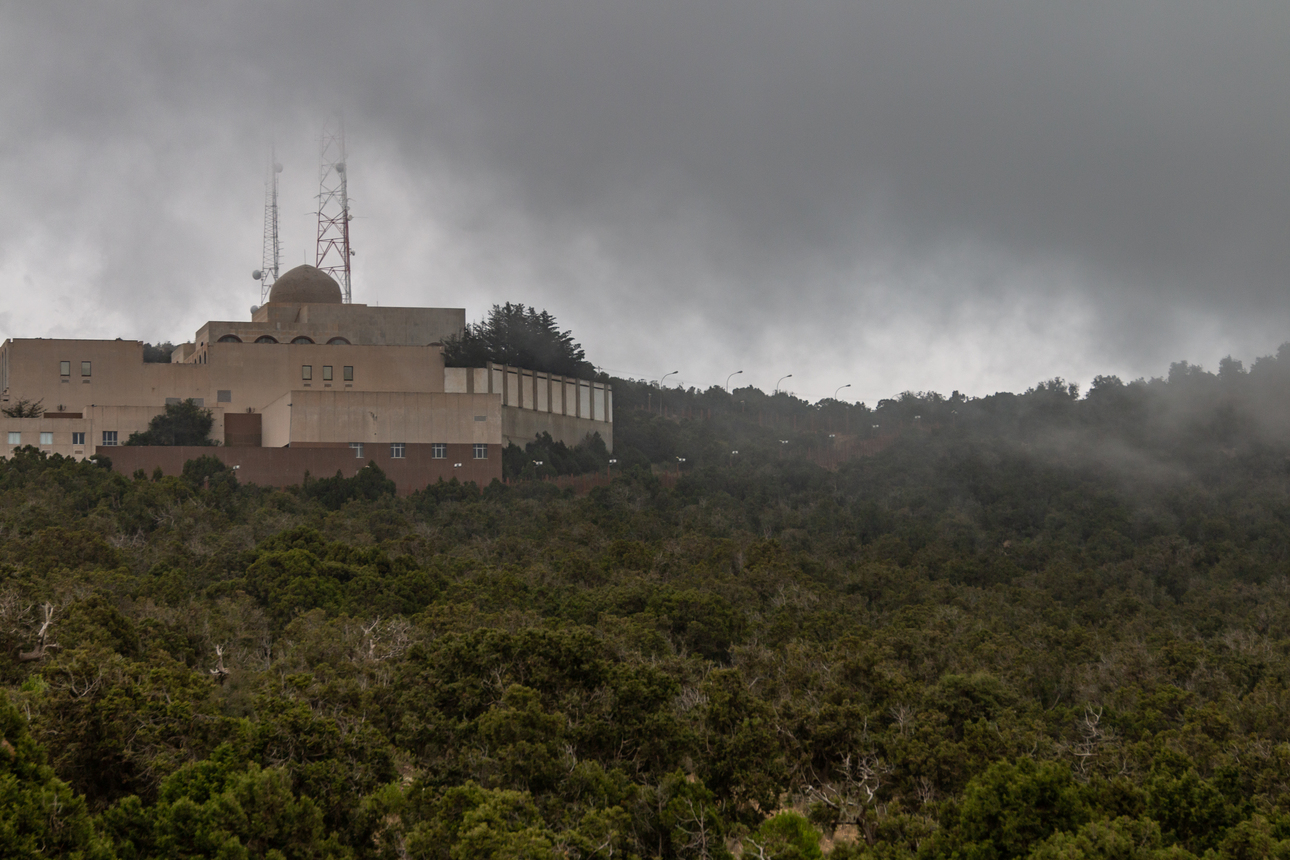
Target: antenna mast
[333,208]
[269,255]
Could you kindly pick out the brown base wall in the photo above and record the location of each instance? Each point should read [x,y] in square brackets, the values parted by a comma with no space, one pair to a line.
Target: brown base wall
[285,467]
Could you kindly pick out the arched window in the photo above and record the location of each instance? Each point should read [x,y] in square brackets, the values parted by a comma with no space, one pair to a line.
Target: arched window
[302,339]
[229,338]
[338,341]
[265,338]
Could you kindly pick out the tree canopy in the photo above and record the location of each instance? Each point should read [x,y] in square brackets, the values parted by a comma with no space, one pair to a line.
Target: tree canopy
[183,423]
[157,353]
[520,336]
[1028,626]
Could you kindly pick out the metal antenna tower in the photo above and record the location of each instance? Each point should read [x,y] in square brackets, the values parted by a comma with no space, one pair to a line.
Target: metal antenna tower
[268,271]
[333,208]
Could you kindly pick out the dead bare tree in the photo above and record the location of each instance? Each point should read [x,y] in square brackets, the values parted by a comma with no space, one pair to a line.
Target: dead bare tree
[701,841]
[43,645]
[853,791]
[1095,739]
[219,672]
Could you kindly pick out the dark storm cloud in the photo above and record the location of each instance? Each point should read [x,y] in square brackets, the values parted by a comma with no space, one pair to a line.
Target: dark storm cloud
[900,195]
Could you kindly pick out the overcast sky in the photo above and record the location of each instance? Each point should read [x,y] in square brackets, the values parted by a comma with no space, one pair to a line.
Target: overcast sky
[927,196]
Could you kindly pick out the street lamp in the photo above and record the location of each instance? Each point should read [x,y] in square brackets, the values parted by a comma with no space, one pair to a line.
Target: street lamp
[781,379]
[679,461]
[840,387]
[730,377]
[660,390]
[609,470]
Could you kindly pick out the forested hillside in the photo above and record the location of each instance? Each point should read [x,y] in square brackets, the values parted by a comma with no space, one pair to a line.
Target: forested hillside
[1038,625]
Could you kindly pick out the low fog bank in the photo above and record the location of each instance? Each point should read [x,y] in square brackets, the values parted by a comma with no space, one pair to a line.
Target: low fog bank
[1191,424]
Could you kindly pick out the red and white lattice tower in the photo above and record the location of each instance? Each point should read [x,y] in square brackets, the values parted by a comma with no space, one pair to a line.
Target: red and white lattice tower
[334,251]
[272,249]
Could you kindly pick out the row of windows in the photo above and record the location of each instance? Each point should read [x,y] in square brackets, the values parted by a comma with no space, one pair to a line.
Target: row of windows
[398,450]
[438,450]
[268,338]
[47,438]
[307,372]
[65,368]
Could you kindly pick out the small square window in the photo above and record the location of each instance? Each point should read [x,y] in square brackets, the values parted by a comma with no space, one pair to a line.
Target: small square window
[396,450]
[78,438]
[46,438]
[481,451]
[358,449]
[64,368]
[224,395]
[306,371]
[439,451]
[109,438]
[349,373]
[326,373]
[85,368]
[15,438]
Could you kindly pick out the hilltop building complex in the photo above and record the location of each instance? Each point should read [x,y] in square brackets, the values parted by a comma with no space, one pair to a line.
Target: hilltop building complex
[309,383]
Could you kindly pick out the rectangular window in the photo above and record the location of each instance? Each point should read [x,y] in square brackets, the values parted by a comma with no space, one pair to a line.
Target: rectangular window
[349,373]
[64,368]
[15,438]
[306,371]
[109,438]
[78,438]
[47,438]
[481,451]
[439,451]
[224,395]
[358,449]
[85,368]
[326,373]
[396,450]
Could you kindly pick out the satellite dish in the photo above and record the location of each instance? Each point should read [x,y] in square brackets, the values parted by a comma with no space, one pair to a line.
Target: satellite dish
[257,274]
[277,168]
[340,167]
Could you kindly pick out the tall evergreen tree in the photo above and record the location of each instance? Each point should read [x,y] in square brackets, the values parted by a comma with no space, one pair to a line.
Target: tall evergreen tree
[520,336]
[183,423]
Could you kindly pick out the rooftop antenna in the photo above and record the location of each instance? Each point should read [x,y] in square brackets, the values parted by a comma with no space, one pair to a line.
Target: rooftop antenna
[334,251]
[268,271]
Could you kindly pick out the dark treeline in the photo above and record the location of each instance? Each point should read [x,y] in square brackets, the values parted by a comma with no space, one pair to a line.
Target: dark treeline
[1040,626]
[1188,412]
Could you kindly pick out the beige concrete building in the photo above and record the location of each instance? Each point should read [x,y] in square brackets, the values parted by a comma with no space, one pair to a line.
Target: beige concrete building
[307,371]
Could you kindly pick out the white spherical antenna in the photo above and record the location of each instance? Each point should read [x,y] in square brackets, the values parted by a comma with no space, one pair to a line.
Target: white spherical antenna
[257,274]
[340,167]
[277,168]
[254,308]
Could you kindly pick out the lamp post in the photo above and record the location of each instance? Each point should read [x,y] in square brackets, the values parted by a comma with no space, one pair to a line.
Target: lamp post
[781,379]
[846,413]
[609,470]
[679,461]
[730,377]
[660,390]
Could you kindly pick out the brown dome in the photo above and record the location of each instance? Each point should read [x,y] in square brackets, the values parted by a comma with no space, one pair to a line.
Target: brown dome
[306,285]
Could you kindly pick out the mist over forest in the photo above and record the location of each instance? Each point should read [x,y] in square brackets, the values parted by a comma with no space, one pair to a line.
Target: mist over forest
[1049,624]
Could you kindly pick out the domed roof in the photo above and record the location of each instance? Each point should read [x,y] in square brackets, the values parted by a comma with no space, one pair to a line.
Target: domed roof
[306,285]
